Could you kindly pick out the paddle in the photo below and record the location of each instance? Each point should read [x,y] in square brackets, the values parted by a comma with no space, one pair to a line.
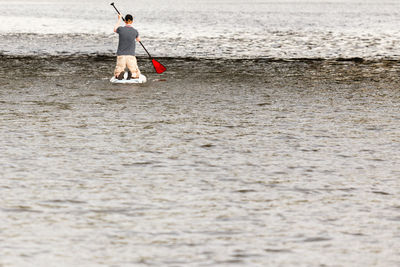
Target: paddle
[157,65]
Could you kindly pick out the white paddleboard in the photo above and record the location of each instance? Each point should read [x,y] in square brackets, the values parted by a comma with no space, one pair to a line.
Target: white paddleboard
[141,79]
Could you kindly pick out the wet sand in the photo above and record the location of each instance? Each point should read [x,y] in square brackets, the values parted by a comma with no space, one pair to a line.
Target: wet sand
[226,162]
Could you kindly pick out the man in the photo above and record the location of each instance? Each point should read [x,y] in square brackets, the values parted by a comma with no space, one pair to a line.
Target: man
[126,49]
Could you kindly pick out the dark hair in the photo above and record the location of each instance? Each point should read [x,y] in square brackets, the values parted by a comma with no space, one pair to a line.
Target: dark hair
[128,17]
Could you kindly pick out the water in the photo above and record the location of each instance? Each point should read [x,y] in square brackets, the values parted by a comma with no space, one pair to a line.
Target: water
[257,157]
[221,28]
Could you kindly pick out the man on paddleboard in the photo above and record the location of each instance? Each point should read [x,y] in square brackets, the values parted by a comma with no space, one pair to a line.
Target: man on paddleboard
[126,49]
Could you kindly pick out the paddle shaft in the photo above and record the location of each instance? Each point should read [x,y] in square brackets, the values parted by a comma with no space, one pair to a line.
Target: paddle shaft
[140,42]
[117,11]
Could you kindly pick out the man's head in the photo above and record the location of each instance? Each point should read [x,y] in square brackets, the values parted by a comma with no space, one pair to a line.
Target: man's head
[128,19]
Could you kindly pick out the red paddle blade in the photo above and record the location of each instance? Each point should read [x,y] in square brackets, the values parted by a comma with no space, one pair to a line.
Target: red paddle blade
[158,66]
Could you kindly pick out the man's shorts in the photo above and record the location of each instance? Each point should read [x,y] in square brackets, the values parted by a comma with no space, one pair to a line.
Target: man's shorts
[129,62]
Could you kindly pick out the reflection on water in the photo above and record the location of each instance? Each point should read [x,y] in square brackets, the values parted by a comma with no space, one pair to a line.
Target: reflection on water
[250,162]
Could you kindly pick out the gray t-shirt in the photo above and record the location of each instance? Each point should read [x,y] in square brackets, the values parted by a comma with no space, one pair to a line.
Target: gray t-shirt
[127,41]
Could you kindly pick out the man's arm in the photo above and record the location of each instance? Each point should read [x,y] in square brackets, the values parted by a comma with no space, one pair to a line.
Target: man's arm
[119,21]
[138,39]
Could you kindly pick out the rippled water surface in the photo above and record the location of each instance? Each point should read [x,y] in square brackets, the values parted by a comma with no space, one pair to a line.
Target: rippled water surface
[272,139]
[190,28]
[215,163]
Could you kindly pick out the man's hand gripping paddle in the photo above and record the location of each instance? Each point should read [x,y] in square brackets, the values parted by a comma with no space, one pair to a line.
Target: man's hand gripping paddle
[157,65]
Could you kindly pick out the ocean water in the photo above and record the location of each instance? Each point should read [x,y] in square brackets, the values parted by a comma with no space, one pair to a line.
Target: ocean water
[272,139]
[207,29]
